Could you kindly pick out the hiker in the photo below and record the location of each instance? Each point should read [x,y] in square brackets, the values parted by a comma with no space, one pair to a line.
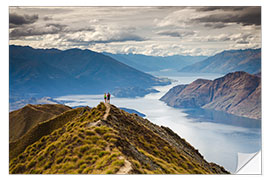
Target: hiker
[105,97]
[108,97]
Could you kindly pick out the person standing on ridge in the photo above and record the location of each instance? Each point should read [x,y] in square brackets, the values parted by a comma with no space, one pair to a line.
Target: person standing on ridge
[105,97]
[108,97]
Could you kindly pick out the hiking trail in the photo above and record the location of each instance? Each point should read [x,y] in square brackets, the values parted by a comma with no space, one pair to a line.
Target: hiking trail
[99,122]
[126,168]
[127,165]
[108,108]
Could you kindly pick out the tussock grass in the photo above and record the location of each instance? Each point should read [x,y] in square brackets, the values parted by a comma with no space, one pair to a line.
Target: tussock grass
[72,148]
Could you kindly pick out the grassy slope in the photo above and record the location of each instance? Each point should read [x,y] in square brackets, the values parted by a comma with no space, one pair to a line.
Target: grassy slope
[72,148]
[22,120]
[83,146]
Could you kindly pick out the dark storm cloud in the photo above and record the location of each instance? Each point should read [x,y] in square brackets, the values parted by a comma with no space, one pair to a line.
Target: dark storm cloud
[35,31]
[18,20]
[50,28]
[240,15]
[224,8]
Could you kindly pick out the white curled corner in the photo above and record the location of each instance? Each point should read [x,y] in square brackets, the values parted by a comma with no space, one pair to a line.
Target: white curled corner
[249,163]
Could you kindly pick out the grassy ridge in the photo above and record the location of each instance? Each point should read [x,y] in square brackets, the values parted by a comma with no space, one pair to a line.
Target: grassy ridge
[157,155]
[73,148]
[81,141]
[22,120]
[41,129]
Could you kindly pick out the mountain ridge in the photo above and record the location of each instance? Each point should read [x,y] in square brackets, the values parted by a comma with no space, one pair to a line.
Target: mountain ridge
[47,72]
[248,60]
[104,140]
[21,120]
[238,93]
[148,63]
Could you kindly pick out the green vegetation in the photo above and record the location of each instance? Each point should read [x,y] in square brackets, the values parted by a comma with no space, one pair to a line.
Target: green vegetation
[27,117]
[72,149]
[121,141]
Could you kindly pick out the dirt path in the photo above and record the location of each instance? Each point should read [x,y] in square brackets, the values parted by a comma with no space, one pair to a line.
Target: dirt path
[99,122]
[127,165]
[126,168]
[108,108]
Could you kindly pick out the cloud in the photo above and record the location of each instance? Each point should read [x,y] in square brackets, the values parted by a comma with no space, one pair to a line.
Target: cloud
[215,25]
[36,31]
[18,20]
[224,8]
[95,38]
[174,33]
[142,30]
[47,18]
[240,38]
[49,28]
[218,38]
[244,16]
[212,17]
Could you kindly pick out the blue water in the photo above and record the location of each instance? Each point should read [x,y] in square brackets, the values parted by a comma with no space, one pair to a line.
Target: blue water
[218,136]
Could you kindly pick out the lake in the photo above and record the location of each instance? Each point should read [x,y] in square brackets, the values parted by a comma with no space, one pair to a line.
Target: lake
[218,136]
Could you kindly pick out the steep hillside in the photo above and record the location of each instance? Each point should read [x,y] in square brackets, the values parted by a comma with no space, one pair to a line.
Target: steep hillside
[237,93]
[51,72]
[156,63]
[20,121]
[248,60]
[105,140]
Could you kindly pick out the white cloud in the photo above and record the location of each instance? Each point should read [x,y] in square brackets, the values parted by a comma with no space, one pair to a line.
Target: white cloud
[141,30]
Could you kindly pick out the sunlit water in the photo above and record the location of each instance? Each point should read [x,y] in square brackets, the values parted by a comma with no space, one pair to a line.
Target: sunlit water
[218,136]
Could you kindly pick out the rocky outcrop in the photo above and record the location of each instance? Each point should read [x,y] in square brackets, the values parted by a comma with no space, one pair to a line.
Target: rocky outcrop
[238,93]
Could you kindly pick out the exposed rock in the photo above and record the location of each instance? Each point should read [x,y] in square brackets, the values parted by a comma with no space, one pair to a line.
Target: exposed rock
[238,93]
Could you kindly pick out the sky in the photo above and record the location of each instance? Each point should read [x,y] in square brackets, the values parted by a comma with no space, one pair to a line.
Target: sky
[156,31]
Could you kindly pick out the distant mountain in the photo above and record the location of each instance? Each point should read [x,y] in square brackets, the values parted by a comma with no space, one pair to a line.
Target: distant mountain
[104,140]
[19,102]
[155,63]
[20,121]
[248,60]
[238,93]
[52,72]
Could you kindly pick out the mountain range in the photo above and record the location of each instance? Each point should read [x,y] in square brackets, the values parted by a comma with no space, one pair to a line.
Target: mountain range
[238,93]
[53,72]
[248,60]
[156,63]
[103,140]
